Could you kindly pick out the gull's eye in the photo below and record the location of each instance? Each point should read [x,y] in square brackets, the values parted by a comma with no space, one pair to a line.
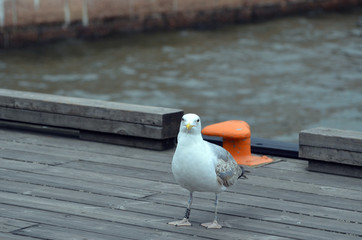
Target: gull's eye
[198,120]
[183,119]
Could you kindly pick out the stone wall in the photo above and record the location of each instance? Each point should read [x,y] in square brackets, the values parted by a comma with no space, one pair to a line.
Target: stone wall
[23,21]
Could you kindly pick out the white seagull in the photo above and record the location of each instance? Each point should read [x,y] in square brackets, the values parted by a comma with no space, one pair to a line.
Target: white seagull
[200,166]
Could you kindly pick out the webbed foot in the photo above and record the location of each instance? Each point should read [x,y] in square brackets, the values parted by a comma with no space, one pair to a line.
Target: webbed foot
[212,225]
[181,223]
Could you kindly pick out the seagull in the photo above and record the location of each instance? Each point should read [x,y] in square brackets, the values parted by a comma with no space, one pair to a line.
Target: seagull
[200,166]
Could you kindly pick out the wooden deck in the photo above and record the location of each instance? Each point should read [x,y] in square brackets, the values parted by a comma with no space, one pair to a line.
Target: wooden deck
[55,187]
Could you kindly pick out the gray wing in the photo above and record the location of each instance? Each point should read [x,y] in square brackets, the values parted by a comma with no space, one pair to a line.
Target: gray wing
[227,170]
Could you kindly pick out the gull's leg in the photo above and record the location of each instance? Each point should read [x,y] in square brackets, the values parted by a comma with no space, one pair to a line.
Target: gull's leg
[213,224]
[185,220]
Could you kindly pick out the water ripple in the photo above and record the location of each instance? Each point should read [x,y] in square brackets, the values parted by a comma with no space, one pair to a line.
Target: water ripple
[281,76]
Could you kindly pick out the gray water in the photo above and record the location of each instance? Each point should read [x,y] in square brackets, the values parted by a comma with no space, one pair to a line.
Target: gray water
[281,76]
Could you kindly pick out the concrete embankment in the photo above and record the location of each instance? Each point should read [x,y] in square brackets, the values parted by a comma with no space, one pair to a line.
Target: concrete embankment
[23,21]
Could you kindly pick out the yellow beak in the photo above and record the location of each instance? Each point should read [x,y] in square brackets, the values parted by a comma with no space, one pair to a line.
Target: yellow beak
[189,126]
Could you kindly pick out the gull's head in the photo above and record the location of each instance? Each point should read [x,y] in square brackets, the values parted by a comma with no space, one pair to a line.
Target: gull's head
[190,123]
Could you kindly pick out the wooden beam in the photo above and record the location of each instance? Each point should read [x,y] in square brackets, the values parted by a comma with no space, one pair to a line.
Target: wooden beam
[139,142]
[331,145]
[335,168]
[90,108]
[332,138]
[331,155]
[119,123]
[84,123]
[332,151]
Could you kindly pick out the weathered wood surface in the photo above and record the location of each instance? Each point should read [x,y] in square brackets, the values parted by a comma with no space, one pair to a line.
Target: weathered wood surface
[332,138]
[66,188]
[332,151]
[331,155]
[83,123]
[331,145]
[88,114]
[335,168]
[91,108]
[140,142]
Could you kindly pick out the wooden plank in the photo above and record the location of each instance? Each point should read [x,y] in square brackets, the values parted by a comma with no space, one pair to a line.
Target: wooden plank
[111,158]
[299,197]
[91,124]
[92,116]
[131,171]
[288,164]
[242,199]
[332,151]
[86,224]
[331,138]
[257,180]
[22,166]
[116,203]
[92,199]
[267,214]
[62,146]
[11,236]
[90,108]
[147,179]
[9,225]
[313,201]
[113,188]
[145,174]
[141,219]
[331,155]
[335,168]
[34,157]
[68,183]
[139,207]
[16,126]
[306,188]
[132,141]
[43,231]
[323,181]
[234,215]
[283,173]
[123,217]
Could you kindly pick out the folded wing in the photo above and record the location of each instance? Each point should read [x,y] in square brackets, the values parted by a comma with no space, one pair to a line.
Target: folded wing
[227,170]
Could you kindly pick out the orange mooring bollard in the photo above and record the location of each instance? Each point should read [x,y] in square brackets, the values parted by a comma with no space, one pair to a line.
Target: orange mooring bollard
[236,139]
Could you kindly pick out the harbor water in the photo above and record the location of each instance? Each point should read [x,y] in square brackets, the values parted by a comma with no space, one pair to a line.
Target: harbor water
[281,76]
